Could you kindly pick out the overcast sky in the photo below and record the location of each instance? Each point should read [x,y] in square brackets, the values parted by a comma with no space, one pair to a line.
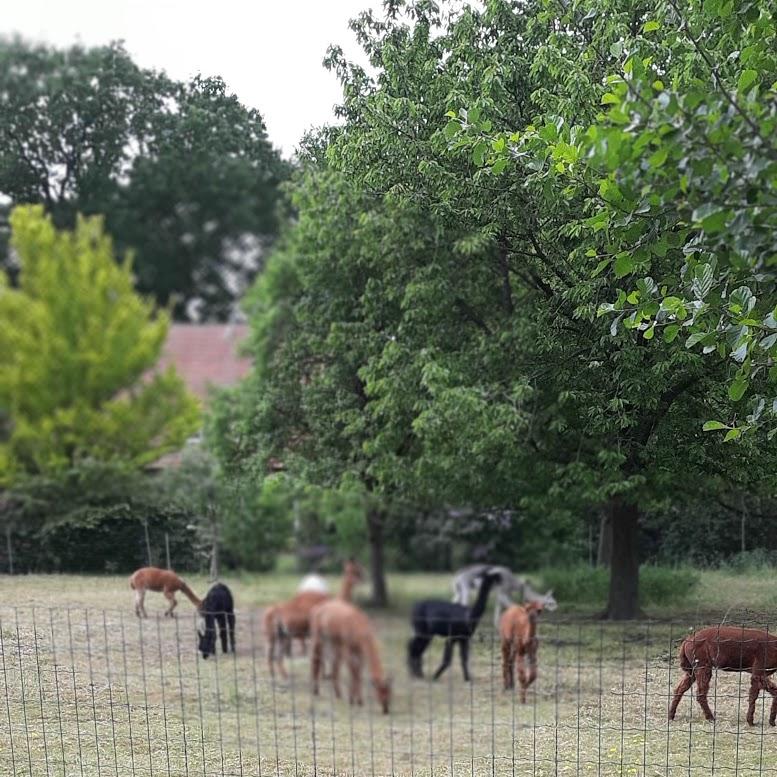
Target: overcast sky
[268,51]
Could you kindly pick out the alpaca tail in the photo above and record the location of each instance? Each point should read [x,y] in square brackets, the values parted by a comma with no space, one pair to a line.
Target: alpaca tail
[190,595]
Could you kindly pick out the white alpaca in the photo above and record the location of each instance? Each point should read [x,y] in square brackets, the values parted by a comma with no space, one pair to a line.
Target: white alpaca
[467,580]
[314,583]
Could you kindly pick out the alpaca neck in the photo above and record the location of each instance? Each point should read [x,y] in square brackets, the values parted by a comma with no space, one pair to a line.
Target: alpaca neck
[480,603]
[370,648]
[190,595]
[346,589]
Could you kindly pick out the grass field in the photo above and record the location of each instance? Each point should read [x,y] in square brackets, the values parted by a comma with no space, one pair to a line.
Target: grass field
[87,689]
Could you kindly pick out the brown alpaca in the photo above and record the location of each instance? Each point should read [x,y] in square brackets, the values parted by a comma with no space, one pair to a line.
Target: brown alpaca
[731,649]
[518,632]
[348,631]
[164,580]
[284,622]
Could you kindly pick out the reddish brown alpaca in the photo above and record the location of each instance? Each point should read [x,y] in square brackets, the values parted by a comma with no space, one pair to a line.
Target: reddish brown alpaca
[518,632]
[290,620]
[348,631]
[164,580]
[731,649]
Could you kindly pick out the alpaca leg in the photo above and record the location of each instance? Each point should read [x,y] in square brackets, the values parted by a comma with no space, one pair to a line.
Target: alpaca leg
[221,619]
[682,687]
[522,676]
[446,658]
[464,654]
[170,596]
[703,677]
[315,663]
[771,688]
[337,660]
[354,664]
[231,627]
[140,594]
[508,677]
[531,660]
[756,683]
[415,651]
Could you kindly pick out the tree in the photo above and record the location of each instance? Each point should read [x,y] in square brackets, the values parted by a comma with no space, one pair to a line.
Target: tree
[432,328]
[87,130]
[78,344]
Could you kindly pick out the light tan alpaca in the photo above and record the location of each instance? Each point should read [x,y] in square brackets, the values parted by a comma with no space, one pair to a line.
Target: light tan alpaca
[349,634]
[518,632]
[284,622]
[164,580]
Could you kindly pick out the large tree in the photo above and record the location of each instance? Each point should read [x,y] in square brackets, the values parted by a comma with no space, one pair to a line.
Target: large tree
[438,324]
[77,345]
[183,172]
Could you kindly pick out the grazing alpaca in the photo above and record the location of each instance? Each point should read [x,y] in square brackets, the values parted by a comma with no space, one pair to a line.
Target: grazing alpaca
[466,580]
[348,632]
[313,583]
[455,622]
[291,620]
[518,632]
[217,607]
[731,649]
[164,580]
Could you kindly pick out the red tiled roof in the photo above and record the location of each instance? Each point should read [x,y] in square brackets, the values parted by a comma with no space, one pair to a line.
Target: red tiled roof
[206,355]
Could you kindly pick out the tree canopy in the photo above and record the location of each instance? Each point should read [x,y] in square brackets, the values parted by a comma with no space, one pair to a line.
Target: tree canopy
[183,172]
[431,330]
[77,345]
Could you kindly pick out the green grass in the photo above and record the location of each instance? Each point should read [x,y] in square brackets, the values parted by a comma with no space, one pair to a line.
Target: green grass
[85,681]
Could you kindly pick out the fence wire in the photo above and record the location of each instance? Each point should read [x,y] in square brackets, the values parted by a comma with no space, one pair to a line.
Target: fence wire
[92,693]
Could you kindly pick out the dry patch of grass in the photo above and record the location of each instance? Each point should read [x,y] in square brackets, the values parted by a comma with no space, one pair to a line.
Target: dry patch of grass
[86,690]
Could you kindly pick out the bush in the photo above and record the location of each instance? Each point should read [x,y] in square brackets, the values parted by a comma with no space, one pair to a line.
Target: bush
[584,585]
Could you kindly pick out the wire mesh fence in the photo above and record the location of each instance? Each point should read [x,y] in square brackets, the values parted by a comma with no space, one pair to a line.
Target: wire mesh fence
[93,692]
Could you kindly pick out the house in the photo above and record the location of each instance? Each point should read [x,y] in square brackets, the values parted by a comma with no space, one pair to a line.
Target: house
[206,356]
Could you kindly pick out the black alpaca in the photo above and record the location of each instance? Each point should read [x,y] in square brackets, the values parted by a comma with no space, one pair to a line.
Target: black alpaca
[217,607]
[455,622]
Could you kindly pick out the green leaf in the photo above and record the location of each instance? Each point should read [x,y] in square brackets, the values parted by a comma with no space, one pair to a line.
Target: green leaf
[657,158]
[479,154]
[671,332]
[609,99]
[713,426]
[499,165]
[746,79]
[732,434]
[738,388]
[649,332]
[624,264]
[651,26]
[600,267]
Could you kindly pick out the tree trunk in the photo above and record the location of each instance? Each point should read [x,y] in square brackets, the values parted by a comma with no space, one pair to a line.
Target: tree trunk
[149,561]
[377,562]
[214,553]
[604,551]
[623,601]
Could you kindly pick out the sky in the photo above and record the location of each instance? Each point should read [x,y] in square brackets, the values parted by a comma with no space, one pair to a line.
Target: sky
[269,52]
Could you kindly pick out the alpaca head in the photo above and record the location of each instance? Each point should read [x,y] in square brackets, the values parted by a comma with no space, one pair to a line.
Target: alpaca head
[549,601]
[354,570]
[383,692]
[206,642]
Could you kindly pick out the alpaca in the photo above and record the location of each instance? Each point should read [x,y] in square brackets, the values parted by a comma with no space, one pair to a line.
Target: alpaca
[455,622]
[518,633]
[164,580]
[313,583]
[465,581]
[217,607]
[291,619]
[349,633]
[732,649]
